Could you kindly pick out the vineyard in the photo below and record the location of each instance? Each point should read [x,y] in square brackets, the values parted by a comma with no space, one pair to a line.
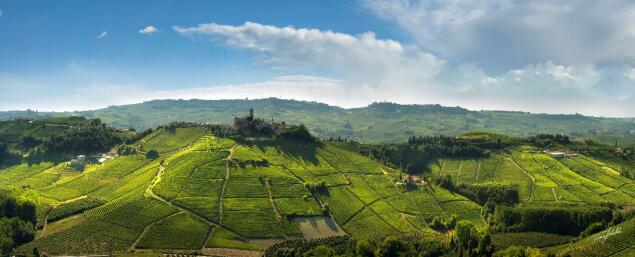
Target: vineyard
[542,179]
[616,240]
[209,192]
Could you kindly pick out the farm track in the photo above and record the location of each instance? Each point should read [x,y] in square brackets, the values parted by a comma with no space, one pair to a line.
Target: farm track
[495,169]
[553,190]
[478,169]
[270,196]
[533,180]
[222,193]
[46,221]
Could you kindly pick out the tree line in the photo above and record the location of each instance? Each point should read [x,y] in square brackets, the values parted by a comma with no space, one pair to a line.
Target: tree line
[557,220]
[17,222]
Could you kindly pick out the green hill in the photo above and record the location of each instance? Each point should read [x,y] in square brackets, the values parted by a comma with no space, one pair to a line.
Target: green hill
[206,192]
[213,192]
[378,122]
[56,138]
[616,241]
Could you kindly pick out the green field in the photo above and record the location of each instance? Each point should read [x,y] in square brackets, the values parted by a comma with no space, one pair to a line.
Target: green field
[205,191]
[543,179]
[616,240]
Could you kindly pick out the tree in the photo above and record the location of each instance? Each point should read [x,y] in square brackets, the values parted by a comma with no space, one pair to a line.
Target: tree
[299,133]
[320,251]
[152,154]
[519,251]
[363,248]
[392,247]
[466,234]
[432,248]
[4,151]
[126,150]
[485,247]
[6,246]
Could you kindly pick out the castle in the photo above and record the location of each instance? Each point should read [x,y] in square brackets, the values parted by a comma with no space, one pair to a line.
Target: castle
[251,124]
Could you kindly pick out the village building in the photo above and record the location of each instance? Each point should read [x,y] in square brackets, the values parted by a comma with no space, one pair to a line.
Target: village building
[563,153]
[81,160]
[411,181]
[252,124]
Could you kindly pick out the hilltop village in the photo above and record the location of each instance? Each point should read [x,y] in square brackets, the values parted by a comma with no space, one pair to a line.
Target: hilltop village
[251,124]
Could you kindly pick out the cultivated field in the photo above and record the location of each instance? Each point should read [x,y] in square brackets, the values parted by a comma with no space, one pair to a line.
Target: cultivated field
[205,192]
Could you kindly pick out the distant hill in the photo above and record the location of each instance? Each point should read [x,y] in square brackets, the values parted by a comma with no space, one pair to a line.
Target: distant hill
[377,122]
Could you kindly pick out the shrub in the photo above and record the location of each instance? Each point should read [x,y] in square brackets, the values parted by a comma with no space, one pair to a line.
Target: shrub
[126,150]
[299,133]
[320,251]
[152,154]
[519,251]
[592,229]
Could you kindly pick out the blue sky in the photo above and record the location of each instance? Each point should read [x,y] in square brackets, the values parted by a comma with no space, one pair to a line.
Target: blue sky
[540,56]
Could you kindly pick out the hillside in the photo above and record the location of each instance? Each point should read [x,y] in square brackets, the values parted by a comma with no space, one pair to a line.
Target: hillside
[613,241]
[206,193]
[215,193]
[378,122]
[55,138]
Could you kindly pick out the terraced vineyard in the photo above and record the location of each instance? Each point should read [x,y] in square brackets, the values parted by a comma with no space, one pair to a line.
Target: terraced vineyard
[209,192]
[614,241]
[543,179]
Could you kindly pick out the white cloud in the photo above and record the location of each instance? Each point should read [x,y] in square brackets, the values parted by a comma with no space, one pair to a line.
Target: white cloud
[363,59]
[149,30]
[508,34]
[372,69]
[630,73]
[362,68]
[102,35]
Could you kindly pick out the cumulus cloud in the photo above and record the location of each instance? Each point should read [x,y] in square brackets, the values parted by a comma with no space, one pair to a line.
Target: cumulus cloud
[501,35]
[360,69]
[102,35]
[149,30]
[370,69]
[363,58]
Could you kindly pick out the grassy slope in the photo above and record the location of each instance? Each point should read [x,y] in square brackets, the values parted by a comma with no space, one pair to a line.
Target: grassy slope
[257,201]
[577,180]
[614,241]
[376,122]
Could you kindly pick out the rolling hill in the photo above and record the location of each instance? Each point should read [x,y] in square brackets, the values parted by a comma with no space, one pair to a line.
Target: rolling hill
[377,122]
[207,193]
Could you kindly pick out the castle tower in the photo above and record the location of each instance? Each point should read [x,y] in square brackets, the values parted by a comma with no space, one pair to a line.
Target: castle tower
[251,113]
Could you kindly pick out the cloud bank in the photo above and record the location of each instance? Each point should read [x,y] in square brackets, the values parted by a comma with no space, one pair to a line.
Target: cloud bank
[373,69]
[510,34]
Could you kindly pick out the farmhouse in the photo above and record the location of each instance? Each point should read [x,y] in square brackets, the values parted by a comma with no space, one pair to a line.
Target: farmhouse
[411,181]
[81,160]
[251,124]
[561,153]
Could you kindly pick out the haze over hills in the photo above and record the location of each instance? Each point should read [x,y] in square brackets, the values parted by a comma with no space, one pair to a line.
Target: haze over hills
[377,122]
